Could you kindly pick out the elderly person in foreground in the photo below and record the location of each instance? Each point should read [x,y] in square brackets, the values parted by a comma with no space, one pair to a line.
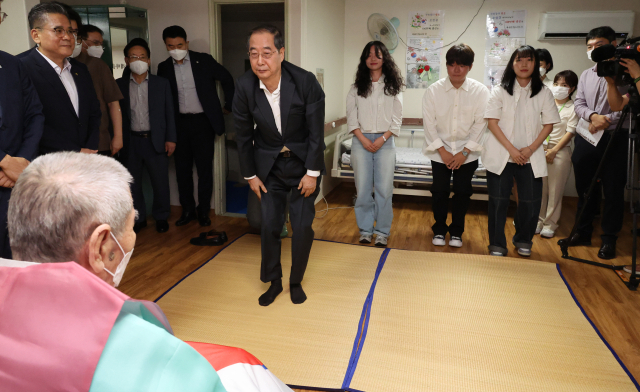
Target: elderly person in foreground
[64,326]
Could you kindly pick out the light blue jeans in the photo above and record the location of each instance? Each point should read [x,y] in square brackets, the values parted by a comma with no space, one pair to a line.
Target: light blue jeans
[374,170]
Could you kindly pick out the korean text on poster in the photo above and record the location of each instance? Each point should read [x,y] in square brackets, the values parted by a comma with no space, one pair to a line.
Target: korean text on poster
[498,51]
[507,24]
[425,24]
[423,50]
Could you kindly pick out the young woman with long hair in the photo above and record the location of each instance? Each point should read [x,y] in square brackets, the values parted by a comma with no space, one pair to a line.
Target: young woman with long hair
[374,115]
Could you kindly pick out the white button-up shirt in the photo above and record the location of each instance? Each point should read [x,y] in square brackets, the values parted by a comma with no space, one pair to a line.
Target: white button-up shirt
[539,110]
[568,122]
[274,102]
[67,81]
[454,118]
[376,113]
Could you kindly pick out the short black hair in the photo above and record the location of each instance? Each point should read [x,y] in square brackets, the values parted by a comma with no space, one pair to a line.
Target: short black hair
[86,29]
[461,54]
[174,32]
[570,78]
[509,76]
[137,42]
[278,38]
[605,32]
[40,12]
[544,55]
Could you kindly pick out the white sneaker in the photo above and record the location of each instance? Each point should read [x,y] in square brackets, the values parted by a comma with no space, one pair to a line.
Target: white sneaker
[547,233]
[539,229]
[381,240]
[438,240]
[495,253]
[365,238]
[524,252]
[456,242]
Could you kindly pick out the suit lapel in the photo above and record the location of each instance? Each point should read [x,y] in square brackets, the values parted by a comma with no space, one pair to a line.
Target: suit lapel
[83,99]
[53,78]
[287,88]
[265,108]
[196,69]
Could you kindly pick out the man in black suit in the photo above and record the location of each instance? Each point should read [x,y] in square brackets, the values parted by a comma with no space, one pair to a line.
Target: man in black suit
[70,106]
[199,118]
[149,132]
[21,124]
[283,152]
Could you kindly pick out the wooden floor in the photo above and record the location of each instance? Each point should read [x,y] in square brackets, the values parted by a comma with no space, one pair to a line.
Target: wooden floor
[161,260]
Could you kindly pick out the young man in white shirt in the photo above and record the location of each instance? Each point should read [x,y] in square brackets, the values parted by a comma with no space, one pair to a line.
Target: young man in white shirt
[453,111]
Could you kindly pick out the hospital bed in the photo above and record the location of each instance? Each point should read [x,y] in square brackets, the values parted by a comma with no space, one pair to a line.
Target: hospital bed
[413,171]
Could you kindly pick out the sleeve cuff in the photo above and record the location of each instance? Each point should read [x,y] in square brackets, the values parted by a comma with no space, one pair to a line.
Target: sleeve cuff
[473,146]
[250,178]
[313,173]
[435,145]
[396,132]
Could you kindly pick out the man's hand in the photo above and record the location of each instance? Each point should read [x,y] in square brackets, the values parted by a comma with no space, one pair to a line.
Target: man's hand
[169,147]
[12,167]
[550,155]
[446,156]
[87,151]
[256,186]
[633,68]
[379,142]
[599,122]
[457,161]
[5,181]
[308,185]
[517,156]
[116,145]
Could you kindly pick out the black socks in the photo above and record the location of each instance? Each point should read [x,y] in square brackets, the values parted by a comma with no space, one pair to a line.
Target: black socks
[297,294]
[270,295]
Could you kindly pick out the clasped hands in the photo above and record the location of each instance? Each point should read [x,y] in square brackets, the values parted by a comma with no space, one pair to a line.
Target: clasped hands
[10,170]
[307,186]
[453,162]
[372,146]
[521,156]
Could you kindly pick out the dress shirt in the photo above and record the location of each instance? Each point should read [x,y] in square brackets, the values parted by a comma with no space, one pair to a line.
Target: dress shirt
[519,135]
[67,80]
[454,118]
[274,102]
[539,110]
[568,122]
[376,113]
[139,97]
[591,97]
[188,100]
[16,263]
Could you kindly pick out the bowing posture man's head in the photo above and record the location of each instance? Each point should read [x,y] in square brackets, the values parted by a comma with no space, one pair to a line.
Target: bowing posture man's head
[265,44]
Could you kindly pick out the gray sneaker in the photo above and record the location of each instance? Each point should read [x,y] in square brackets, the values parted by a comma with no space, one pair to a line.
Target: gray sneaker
[495,253]
[381,240]
[524,252]
[365,238]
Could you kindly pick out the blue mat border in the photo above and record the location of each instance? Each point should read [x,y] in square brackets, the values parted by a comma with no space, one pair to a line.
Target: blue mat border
[597,330]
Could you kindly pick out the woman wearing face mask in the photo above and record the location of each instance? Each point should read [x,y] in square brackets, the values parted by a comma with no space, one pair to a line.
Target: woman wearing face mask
[558,153]
[546,65]
[520,113]
[374,115]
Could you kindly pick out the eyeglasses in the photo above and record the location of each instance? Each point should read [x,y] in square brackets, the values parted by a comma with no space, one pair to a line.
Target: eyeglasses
[95,43]
[265,55]
[136,58]
[60,32]
[3,16]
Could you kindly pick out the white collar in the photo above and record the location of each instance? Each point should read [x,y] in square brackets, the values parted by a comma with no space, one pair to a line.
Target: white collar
[518,87]
[134,80]
[66,64]
[266,90]
[186,58]
[448,85]
[15,263]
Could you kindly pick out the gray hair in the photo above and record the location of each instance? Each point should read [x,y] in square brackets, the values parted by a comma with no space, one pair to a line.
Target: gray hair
[278,39]
[60,199]
[39,14]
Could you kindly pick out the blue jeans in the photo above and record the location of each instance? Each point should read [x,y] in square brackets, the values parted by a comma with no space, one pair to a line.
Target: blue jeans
[374,169]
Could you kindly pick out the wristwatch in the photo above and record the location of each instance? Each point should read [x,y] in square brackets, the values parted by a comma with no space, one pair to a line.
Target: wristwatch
[465,153]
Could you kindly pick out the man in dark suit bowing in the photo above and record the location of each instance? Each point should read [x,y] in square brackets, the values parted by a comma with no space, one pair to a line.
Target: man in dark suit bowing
[70,105]
[284,150]
[199,118]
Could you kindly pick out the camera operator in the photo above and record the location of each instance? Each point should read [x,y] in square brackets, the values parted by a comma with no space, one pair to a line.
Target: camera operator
[596,115]
[616,100]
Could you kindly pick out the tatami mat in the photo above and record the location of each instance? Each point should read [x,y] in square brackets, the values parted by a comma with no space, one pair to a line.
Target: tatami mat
[450,322]
[308,344]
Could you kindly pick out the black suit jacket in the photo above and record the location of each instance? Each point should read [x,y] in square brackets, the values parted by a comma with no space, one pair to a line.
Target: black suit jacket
[21,118]
[161,115]
[64,130]
[302,121]
[206,71]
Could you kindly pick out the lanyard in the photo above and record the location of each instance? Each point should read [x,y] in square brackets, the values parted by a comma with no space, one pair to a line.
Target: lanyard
[561,107]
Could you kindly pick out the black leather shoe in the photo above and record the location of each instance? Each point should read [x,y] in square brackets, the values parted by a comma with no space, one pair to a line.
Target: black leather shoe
[221,234]
[607,251]
[204,220]
[187,216]
[575,240]
[139,226]
[206,240]
[162,226]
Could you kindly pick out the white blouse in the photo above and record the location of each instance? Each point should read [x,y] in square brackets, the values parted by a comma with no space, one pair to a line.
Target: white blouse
[568,122]
[377,113]
[539,110]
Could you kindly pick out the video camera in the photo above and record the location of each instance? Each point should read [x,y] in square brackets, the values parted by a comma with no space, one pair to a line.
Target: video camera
[608,59]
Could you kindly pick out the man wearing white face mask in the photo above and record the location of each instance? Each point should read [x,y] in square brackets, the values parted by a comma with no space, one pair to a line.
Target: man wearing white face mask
[107,90]
[149,140]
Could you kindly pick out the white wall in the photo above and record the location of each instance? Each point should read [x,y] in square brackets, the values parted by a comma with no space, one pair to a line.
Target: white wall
[14,31]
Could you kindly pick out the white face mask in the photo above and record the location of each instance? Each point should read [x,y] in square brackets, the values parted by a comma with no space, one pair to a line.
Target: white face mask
[543,71]
[77,50]
[560,92]
[589,54]
[178,54]
[95,51]
[139,67]
[117,277]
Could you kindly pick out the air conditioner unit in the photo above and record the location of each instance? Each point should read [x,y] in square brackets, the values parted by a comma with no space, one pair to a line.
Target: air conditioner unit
[576,25]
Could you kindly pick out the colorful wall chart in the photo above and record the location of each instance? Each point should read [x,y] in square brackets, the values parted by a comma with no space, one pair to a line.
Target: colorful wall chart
[505,32]
[424,48]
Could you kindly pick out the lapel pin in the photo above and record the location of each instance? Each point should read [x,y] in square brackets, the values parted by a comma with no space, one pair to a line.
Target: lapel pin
[76,74]
[197,62]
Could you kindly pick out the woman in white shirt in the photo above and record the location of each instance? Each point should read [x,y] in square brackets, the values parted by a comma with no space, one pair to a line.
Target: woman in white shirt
[546,65]
[374,115]
[558,154]
[520,113]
